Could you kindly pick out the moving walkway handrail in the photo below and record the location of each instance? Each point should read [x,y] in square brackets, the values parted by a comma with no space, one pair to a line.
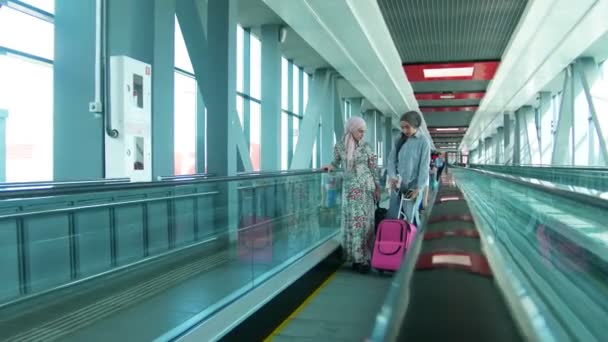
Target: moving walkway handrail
[185,177]
[552,188]
[10,186]
[389,320]
[545,166]
[54,190]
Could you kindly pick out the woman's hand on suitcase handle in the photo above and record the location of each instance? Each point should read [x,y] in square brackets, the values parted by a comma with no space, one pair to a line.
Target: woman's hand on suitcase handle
[328,168]
[412,193]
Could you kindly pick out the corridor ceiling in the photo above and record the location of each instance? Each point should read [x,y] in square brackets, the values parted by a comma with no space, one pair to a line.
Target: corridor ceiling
[450,50]
[376,45]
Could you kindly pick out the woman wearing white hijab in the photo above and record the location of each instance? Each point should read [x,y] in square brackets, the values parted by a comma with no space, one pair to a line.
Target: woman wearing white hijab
[361,190]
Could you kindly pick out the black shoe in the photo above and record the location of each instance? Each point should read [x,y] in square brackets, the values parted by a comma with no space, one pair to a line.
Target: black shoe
[356,266]
[364,268]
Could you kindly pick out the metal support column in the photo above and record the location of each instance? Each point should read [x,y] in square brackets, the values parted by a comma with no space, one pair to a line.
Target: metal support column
[271,99]
[163,79]
[563,151]
[78,135]
[290,108]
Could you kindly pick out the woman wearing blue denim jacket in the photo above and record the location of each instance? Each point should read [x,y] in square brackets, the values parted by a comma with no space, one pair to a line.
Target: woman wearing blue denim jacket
[409,159]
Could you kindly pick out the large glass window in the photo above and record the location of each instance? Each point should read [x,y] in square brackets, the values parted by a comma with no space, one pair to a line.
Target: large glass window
[255,135]
[295,132]
[296,89]
[314,156]
[182,58]
[240,108]
[240,55]
[284,84]
[248,98]
[185,108]
[256,67]
[305,92]
[45,5]
[24,33]
[26,93]
[284,141]
[581,129]
[29,147]
[185,124]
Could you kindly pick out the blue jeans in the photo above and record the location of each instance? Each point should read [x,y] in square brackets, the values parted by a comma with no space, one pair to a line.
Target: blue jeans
[410,207]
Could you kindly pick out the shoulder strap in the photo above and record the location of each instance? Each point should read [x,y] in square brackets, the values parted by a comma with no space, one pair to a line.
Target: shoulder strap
[400,142]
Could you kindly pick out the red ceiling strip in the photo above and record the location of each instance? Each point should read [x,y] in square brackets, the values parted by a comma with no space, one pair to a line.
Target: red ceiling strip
[448,96]
[448,109]
[482,71]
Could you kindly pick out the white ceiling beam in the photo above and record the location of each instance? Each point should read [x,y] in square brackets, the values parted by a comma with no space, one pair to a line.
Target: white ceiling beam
[352,36]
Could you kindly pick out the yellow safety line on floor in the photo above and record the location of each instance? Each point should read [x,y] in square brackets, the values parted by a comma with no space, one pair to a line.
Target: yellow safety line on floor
[278,329]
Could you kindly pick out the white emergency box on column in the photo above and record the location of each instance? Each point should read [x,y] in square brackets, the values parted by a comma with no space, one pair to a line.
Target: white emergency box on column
[130,154]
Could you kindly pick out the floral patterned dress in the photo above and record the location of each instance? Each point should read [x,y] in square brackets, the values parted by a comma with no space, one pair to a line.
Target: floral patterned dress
[358,202]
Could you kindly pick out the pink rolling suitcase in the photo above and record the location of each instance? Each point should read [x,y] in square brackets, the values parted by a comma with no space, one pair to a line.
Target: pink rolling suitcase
[393,239]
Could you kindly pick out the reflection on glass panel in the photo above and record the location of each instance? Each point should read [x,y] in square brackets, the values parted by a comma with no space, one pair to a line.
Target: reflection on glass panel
[19,31]
[284,84]
[182,58]
[305,91]
[29,148]
[45,5]
[255,135]
[240,34]
[284,151]
[296,89]
[185,125]
[256,68]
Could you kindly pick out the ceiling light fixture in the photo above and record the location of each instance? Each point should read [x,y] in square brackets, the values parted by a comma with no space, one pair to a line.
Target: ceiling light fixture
[447,129]
[448,72]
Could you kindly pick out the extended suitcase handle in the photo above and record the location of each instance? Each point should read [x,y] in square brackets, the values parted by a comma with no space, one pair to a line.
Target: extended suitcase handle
[471,262]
